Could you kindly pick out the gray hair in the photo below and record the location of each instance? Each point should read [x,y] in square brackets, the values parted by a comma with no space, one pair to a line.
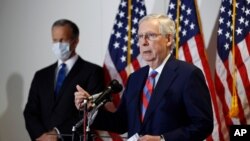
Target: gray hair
[166,25]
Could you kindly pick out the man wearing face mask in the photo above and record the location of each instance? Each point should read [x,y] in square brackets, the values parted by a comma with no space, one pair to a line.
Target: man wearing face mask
[50,107]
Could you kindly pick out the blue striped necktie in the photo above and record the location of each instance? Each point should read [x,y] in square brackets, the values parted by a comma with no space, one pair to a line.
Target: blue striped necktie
[147,92]
[60,77]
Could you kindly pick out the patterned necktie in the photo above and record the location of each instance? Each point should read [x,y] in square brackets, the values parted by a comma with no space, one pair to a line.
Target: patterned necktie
[60,77]
[147,92]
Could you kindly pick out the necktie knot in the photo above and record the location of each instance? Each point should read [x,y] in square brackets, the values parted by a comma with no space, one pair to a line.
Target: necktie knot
[62,70]
[63,66]
[153,74]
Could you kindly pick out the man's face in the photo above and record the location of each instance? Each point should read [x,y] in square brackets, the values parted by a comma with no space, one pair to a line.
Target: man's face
[154,47]
[63,34]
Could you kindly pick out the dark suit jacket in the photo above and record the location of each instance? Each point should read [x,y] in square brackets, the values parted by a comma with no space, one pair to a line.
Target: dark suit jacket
[43,111]
[180,106]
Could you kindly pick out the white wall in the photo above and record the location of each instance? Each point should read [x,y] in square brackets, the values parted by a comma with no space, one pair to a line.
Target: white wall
[25,44]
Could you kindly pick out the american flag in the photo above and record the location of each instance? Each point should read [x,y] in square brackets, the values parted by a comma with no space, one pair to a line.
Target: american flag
[116,64]
[191,49]
[234,60]
[123,45]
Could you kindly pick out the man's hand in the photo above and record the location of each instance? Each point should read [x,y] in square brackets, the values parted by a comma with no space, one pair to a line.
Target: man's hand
[80,95]
[149,138]
[48,136]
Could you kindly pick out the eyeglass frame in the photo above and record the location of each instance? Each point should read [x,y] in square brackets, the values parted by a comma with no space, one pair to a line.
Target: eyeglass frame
[150,36]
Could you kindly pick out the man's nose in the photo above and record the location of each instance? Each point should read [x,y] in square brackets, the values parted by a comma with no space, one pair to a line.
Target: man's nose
[145,41]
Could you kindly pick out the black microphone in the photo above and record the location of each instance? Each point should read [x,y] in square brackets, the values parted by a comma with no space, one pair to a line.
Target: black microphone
[114,87]
[94,96]
[91,98]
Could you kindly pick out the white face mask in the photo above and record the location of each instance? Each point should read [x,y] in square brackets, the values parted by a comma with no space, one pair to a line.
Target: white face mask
[61,50]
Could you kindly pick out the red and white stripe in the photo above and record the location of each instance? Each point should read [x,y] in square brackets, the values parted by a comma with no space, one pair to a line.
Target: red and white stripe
[224,78]
[193,51]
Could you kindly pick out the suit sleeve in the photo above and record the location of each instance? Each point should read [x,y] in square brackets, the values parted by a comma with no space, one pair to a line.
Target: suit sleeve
[197,101]
[115,122]
[32,112]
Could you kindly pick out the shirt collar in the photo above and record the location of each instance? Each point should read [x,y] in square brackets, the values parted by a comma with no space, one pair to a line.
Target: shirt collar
[160,68]
[69,63]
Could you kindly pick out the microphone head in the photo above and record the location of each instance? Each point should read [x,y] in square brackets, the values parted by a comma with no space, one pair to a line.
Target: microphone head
[115,86]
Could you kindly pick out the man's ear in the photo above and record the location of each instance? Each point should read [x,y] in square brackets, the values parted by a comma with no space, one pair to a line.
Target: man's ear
[75,42]
[169,39]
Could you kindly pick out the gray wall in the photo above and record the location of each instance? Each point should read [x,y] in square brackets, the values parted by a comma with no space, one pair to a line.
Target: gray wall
[25,43]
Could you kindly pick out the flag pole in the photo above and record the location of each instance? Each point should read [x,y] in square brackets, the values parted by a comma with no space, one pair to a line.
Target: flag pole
[129,36]
[234,111]
[177,29]
[199,23]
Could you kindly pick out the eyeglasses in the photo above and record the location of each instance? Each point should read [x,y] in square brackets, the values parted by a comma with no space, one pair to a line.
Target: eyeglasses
[149,36]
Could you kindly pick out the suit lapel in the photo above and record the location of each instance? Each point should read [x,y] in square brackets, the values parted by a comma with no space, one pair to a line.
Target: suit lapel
[137,98]
[167,76]
[51,85]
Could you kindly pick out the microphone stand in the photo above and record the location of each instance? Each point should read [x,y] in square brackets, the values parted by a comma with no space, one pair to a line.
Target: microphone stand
[92,114]
[87,120]
[79,123]
[85,112]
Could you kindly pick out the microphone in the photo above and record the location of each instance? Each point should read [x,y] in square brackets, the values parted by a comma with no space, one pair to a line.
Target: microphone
[94,96]
[91,98]
[100,99]
[114,87]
